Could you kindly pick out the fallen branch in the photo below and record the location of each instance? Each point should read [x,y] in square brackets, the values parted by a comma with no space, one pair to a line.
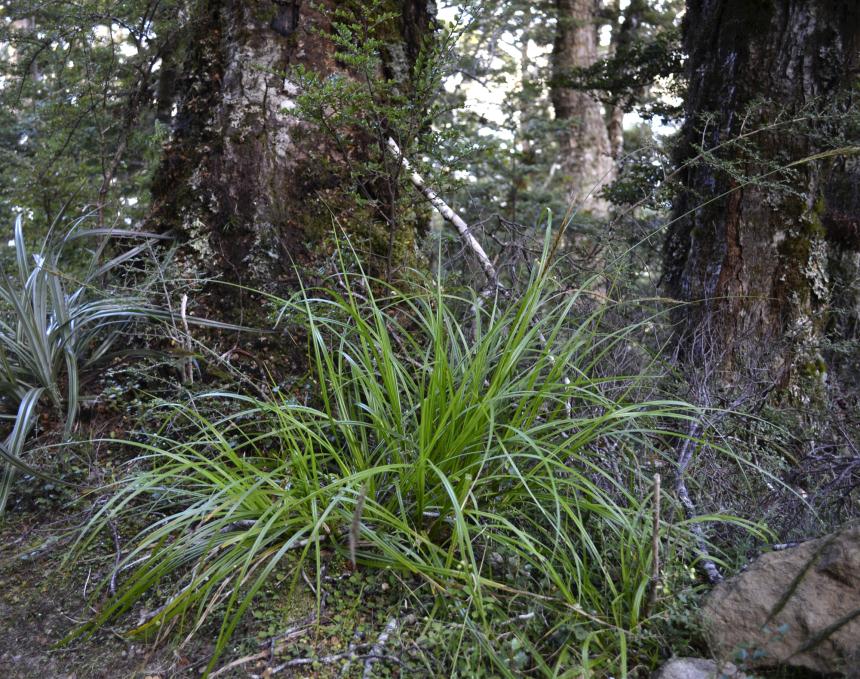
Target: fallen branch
[329,659]
[378,647]
[684,456]
[449,215]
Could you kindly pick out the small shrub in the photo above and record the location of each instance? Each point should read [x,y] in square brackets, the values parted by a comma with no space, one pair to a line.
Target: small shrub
[56,330]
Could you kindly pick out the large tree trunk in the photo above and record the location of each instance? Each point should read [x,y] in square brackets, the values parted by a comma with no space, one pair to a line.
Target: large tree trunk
[586,152]
[250,187]
[757,258]
[627,24]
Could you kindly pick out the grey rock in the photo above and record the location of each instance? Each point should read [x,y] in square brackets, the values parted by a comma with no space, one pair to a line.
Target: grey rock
[798,608]
[698,668]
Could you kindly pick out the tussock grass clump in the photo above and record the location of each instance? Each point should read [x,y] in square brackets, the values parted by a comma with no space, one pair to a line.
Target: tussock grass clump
[450,436]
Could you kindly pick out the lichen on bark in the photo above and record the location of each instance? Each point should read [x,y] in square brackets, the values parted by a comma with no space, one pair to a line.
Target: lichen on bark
[749,248]
[242,179]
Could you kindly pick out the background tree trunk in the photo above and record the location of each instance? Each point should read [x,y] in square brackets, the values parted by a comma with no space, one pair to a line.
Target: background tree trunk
[757,256]
[241,175]
[624,32]
[586,152]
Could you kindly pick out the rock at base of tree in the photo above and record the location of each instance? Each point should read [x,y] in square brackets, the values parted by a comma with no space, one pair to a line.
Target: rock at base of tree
[698,668]
[798,608]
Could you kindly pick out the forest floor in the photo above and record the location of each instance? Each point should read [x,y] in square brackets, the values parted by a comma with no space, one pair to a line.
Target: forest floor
[40,603]
[43,599]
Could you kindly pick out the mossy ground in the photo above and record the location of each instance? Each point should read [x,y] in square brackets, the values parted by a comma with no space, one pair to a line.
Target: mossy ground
[42,600]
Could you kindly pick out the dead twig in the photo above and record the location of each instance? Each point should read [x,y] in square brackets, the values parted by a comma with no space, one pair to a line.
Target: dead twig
[271,649]
[336,657]
[188,366]
[378,647]
[355,643]
[450,216]
[685,454]
[243,524]
[782,546]
[117,559]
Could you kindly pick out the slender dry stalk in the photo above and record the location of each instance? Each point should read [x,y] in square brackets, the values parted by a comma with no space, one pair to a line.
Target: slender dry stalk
[655,550]
[188,366]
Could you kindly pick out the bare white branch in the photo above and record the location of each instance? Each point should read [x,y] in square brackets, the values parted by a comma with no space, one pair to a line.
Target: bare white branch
[448,214]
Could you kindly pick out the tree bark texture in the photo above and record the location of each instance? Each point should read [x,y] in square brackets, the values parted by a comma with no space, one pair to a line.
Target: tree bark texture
[585,147]
[769,85]
[242,178]
[623,35]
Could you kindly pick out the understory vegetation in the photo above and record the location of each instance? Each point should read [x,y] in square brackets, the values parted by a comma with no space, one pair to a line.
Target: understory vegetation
[500,454]
[479,447]
[57,332]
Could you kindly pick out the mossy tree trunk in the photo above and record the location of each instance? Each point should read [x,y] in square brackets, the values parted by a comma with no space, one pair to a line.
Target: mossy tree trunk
[757,241]
[586,153]
[242,180]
